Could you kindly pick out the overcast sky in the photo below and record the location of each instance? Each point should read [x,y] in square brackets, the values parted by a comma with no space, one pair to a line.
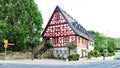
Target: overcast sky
[98,15]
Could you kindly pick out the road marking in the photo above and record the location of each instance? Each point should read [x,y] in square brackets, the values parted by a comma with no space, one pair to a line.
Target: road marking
[115,66]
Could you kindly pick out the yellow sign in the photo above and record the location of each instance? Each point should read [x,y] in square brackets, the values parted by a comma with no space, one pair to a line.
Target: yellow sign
[118,50]
[6,41]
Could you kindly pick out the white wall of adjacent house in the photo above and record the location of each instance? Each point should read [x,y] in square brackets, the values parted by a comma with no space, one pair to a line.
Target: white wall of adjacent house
[90,46]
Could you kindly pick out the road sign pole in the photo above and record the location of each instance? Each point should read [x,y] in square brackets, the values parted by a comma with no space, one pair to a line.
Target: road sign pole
[5,46]
[5,53]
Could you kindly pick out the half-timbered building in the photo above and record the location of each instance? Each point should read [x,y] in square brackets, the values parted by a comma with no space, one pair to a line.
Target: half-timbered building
[62,29]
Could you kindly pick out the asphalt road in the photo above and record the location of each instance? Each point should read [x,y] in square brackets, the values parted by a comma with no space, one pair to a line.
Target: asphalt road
[100,64]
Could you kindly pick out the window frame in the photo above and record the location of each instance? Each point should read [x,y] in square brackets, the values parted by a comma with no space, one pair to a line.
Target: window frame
[66,40]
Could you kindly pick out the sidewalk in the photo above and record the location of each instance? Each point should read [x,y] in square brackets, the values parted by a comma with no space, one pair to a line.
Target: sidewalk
[54,61]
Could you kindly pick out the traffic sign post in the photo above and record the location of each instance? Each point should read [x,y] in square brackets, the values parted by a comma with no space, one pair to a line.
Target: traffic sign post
[6,41]
[5,46]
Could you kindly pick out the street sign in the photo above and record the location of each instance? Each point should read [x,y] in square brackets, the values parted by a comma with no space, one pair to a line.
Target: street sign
[6,41]
[11,44]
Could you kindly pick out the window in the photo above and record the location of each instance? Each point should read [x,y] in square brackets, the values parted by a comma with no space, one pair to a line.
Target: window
[60,51]
[57,17]
[56,51]
[65,39]
[78,39]
[58,29]
[65,51]
[82,41]
[56,40]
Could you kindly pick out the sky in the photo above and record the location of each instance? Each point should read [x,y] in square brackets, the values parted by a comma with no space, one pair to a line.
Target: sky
[102,16]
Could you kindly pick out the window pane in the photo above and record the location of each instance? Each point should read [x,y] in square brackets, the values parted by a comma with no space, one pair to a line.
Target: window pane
[65,39]
[57,29]
[57,17]
[56,40]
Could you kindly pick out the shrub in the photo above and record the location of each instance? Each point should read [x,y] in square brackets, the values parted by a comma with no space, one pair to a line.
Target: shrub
[73,57]
[110,54]
[49,44]
[97,53]
[52,57]
[9,52]
[91,53]
[89,56]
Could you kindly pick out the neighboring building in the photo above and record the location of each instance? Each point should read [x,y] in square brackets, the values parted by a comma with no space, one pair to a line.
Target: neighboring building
[118,48]
[62,29]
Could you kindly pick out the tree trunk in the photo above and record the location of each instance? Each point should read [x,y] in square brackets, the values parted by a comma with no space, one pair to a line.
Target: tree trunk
[33,52]
[15,47]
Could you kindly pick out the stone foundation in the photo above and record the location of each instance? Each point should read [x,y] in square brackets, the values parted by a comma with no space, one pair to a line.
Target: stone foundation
[15,55]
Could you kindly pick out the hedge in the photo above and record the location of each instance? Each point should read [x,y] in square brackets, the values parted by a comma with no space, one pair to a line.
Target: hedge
[73,57]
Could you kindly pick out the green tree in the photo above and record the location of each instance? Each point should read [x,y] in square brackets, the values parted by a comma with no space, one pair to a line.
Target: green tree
[49,44]
[72,45]
[3,33]
[21,21]
[99,41]
[112,44]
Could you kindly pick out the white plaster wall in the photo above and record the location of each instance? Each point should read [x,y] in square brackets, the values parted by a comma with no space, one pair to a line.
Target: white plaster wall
[79,51]
[91,48]
[61,52]
[90,45]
